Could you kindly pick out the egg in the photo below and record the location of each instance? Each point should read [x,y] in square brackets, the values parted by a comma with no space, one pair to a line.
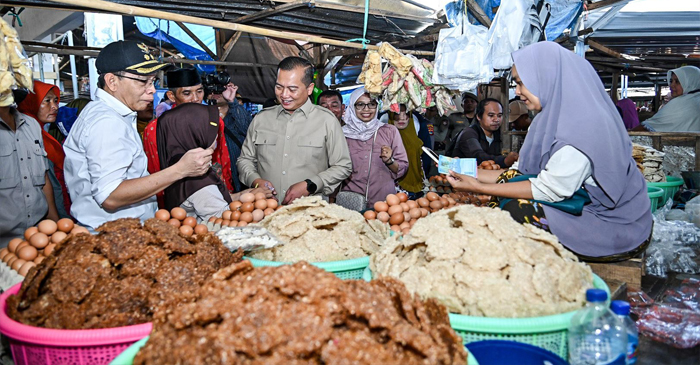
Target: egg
[246,217]
[190,221]
[406,217]
[247,198]
[233,224]
[405,207]
[381,206]
[272,203]
[406,231]
[226,215]
[24,270]
[260,196]
[79,229]
[174,222]
[163,215]
[225,222]
[178,213]
[412,222]
[383,216]
[235,205]
[268,211]
[396,218]
[218,221]
[247,207]
[3,253]
[444,202]
[58,237]
[39,240]
[261,204]
[186,230]
[29,232]
[9,259]
[402,197]
[412,204]
[395,228]
[392,199]
[370,214]
[27,253]
[49,249]
[435,205]
[405,224]
[39,259]
[47,227]
[200,229]
[212,219]
[17,264]
[414,213]
[242,224]
[423,202]
[432,196]
[395,209]
[258,215]
[451,201]
[424,212]
[65,225]
[21,244]
[12,246]
[236,216]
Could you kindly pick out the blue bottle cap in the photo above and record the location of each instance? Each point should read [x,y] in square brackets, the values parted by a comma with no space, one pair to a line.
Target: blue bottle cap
[596,295]
[620,307]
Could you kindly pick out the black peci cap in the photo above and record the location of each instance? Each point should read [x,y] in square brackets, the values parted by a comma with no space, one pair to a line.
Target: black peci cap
[183,77]
[127,56]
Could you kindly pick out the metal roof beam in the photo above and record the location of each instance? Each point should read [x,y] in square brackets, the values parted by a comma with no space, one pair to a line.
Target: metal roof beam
[271,11]
[601,4]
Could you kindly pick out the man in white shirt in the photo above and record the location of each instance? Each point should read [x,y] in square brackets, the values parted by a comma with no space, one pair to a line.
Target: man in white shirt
[105,166]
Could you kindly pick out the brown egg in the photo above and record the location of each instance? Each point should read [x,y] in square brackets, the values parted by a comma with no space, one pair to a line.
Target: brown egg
[247,207]
[79,229]
[435,205]
[402,197]
[392,199]
[261,204]
[58,236]
[395,228]
[381,206]
[395,209]
[212,219]
[233,224]
[47,227]
[178,213]
[247,198]
[268,211]
[260,196]
[3,253]
[412,222]
[174,222]
[9,259]
[405,207]
[226,214]
[21,244]
[162,215]
[27,253]
[218,221]
[225,222]
[25,268]
[17,264]
[444,202]
[200,229]
[383,216]
[12,246]
[423,202]
[415,213]
[405,225]
[235,205]
[396,218]
[29,232]
[39,240]
[272,203]
[406,217]
[49,249]
[406,231]
[258,215]
[246,217]
[39,259]
[236,216]
[242,224]
[186,230]
[451,201]
[190,221]
[65,225]
[432,196]
[412,204]
[370,214]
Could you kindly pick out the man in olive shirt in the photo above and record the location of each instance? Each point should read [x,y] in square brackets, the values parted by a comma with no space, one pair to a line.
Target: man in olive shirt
[459,121]
[296,148]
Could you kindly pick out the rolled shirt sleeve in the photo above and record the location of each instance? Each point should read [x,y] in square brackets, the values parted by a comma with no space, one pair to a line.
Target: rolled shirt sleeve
[247,163]
[564,174]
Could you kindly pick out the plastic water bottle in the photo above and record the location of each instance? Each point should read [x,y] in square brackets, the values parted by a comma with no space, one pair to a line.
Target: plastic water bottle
[596,334]
[622,309]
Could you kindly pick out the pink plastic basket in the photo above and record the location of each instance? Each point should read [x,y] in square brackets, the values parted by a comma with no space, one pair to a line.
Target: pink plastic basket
[34,345]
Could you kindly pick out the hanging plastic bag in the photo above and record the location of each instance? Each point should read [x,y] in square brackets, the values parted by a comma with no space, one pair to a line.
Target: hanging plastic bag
[515,26]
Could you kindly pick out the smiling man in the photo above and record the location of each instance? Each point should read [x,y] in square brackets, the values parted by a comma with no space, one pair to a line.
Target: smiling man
[105,165]
[295,148]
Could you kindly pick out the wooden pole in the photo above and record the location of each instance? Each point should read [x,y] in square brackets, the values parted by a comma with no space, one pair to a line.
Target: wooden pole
[478,13]
[196,39]
[111,7]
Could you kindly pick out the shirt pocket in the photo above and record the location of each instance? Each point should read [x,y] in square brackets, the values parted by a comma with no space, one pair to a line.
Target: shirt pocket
[38,165]
[311,149]
[265,147]
[9,170]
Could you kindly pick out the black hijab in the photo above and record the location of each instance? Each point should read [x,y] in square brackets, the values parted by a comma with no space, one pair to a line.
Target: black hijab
[186,127]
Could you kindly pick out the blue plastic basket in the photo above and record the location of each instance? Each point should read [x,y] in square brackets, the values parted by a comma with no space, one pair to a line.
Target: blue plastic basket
[498,352]
[345,269]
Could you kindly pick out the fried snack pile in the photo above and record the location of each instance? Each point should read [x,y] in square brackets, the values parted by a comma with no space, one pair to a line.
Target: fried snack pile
[15,67]
[478,261]
[296,314]
[316,231]
[117,277]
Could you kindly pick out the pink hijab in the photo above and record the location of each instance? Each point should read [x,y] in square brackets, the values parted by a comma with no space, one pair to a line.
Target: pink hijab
[629,113]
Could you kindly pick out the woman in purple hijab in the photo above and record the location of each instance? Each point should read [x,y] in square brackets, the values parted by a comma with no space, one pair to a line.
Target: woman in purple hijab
[629,113]
[568,148]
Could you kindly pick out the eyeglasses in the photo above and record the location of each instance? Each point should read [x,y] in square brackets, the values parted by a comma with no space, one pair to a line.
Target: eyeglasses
[153,81]
[371,105]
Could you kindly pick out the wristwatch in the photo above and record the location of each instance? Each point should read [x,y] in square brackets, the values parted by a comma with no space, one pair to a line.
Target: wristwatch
[310,186]
[390,162]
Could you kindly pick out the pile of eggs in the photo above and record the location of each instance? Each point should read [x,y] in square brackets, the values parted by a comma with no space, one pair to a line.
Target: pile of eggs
[440,185]
[177,217]
[38,243]
[250,208]
[402,213]
[489,165]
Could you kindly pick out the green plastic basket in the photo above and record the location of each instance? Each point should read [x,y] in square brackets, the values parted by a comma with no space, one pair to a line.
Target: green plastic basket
[547,332]
[345,269]
[127,357]
[655,195]
[670,187]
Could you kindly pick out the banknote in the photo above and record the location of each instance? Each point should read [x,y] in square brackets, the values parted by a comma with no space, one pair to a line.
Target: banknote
[464,166]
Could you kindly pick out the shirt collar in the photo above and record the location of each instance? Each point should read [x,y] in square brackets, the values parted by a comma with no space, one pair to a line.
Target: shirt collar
[306,108]
[114,103]
[20,118]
